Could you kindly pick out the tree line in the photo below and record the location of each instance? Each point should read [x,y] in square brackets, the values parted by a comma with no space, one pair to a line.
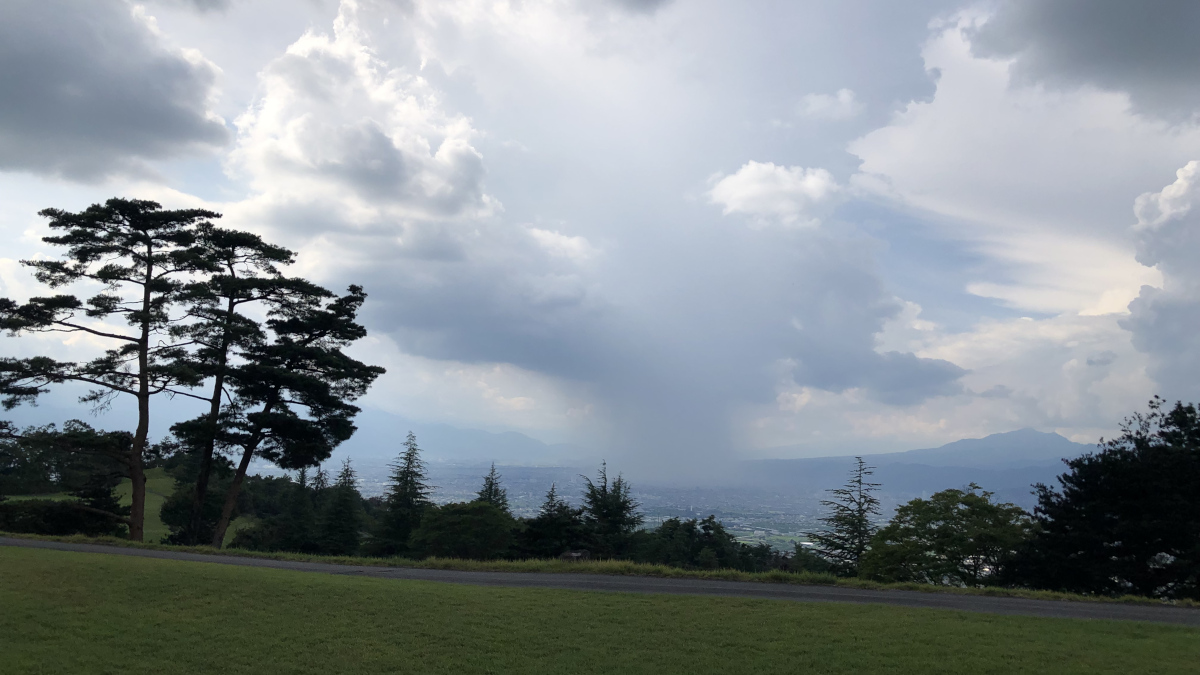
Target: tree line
[1123,520]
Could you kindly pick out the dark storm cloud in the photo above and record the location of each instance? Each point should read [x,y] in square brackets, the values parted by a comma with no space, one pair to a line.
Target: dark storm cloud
[87,90]
[1148,49]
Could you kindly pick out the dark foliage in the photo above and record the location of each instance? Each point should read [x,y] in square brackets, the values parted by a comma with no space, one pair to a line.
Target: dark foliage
[405,503]
[849,528]
[475,530]
[610,513]
[703,544]
[956,537]
[1126,519]
[59,518]
[493,492]
[339,526]
[557,528]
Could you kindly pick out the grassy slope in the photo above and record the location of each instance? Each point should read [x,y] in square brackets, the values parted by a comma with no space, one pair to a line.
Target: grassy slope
[74,612]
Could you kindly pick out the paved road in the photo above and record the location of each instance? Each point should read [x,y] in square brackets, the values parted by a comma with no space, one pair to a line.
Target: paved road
[737,589]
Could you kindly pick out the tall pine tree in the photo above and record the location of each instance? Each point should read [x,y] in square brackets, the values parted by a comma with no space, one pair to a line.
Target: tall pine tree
[140,255]
[407,499]
[849,527]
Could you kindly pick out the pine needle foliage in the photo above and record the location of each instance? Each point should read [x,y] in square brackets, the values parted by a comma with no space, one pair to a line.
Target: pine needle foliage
[849,527]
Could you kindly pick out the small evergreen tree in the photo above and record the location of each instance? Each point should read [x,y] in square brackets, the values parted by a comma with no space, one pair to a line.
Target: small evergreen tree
[341,519]
[849,527]
[492,492]
[406,501]
[558,527]
[610,513]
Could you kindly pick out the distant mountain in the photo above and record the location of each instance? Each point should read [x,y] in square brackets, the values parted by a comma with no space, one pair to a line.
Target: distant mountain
[1007,464]
[1013,449]
[380,436]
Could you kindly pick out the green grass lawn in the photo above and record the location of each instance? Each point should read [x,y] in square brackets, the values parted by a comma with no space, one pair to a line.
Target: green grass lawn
[76,613]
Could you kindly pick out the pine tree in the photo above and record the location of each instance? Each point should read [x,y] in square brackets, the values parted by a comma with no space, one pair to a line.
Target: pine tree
[341,519]
[492,492]
[849,527]
[139,255]
[558,527]
[610,513]
[406,500]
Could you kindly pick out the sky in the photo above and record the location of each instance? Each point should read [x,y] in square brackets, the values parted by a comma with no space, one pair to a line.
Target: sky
[670,232]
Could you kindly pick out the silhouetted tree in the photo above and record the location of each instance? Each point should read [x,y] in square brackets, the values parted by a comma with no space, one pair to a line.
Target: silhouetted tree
[240,273]
[492,491]
[1126,519]
[341,517]
[849,527]
[474,530]
[558,527]
[405,503]
[139,253]
[610,513]
[293,394]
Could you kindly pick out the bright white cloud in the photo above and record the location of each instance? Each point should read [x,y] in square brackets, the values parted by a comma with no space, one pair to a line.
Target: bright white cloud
[791,195]
[1165,321]
[1037,180]
[838,106]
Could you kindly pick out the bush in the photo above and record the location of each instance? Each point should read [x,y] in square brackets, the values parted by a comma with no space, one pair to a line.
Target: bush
[58,518]
[474,530]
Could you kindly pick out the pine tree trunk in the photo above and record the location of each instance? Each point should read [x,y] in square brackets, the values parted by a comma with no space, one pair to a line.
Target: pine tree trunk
[231,498]
[137,475]
[239,476]
[210,439]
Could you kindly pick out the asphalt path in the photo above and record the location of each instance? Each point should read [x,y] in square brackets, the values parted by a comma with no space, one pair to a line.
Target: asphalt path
[629,584]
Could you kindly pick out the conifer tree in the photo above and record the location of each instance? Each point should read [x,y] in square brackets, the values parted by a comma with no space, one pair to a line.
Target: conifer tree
[140,254]
[849,527]
[558,527]
[241,272]
[492,492]
[341,517]
[293,394]
[406,501]
[610,513]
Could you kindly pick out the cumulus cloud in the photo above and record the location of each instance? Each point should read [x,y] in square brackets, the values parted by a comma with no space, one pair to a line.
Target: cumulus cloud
[335,121]
[89,89]
[1165,321]
[791,195]
[841,105]
[1147,49]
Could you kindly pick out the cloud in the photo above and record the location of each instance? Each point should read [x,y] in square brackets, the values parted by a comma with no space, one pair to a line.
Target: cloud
[334,121]
[766,192]
[1165,321]
[642,6]
[1035,181]
[90,89]
[837,106]
[1147,49]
